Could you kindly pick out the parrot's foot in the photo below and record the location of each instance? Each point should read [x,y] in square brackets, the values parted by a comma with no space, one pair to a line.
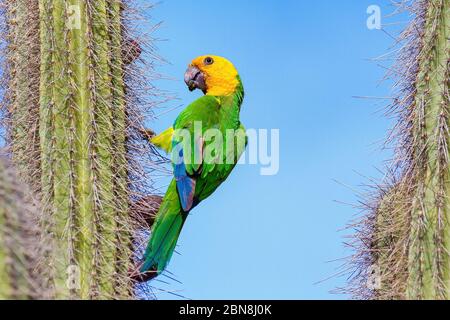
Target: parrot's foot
[144,210]
[141,277]
[147,134]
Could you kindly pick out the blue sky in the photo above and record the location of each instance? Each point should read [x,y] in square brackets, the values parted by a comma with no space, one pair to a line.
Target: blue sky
[272,237]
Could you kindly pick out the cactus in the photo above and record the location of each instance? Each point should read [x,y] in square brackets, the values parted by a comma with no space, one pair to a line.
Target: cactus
[407,233]
[20,240]
[72,117]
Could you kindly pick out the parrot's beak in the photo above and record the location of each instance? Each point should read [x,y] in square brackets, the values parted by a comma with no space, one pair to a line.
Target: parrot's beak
[195,79]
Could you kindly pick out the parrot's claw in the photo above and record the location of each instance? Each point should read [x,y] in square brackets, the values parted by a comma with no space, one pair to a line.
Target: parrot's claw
[147,134]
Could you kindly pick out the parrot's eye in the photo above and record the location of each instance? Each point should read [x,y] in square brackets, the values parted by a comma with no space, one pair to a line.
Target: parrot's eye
[208,61]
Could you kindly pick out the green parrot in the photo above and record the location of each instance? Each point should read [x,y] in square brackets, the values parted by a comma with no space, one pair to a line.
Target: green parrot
[197,172]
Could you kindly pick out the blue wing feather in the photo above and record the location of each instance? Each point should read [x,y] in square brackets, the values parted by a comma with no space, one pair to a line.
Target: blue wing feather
[185,183]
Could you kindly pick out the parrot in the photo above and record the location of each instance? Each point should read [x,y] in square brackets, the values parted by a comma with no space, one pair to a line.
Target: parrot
[217,109]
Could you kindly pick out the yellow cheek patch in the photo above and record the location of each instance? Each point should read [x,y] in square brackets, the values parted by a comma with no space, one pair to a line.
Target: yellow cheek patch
[220,77]
[222,82]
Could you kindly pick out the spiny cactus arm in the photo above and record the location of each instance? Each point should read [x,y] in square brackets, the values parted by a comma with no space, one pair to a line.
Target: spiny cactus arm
[20,240]
[84,145]
[8,289]
[429,239]
[57,128]
[13,284]
[389,234]
[102,152]
[73,59]
[82,120]
[19,82]
[46,125]
[123,258]
[21,90]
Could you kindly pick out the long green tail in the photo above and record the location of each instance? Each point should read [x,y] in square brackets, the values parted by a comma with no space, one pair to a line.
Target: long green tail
[165,232]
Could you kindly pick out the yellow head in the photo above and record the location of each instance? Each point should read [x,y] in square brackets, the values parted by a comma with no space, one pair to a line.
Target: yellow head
[214,75]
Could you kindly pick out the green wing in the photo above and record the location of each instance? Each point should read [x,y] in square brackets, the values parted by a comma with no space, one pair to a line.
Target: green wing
[188,145]
[200,116]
